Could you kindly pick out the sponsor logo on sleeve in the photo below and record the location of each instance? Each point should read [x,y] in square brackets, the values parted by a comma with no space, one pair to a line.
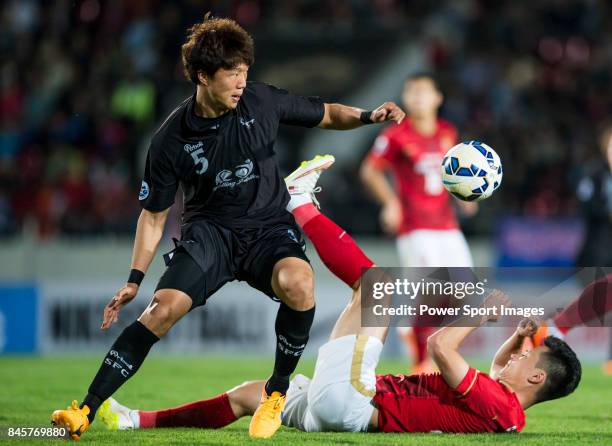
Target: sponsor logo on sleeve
[144,191]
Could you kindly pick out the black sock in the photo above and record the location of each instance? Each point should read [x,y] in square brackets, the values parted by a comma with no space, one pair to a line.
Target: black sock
[121,362]
[292,329]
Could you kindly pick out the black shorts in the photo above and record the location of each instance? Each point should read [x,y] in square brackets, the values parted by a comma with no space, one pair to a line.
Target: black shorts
[209,255]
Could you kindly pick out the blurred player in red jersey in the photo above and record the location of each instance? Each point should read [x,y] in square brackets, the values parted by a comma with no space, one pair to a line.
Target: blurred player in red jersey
[345,394]
[419,212]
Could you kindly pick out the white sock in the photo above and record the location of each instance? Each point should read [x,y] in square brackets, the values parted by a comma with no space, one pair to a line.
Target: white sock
[135,417]
[298,200]
[553,330]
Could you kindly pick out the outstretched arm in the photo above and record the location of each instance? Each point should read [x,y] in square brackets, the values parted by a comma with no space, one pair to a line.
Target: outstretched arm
[343,117]
[444,344]
[149,232]
[527,327]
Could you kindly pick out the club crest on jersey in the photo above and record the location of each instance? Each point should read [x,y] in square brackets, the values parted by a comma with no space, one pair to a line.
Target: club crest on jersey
[144,191]
[241,174]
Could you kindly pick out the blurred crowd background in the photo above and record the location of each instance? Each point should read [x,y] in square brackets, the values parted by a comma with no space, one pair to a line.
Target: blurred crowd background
[83,85]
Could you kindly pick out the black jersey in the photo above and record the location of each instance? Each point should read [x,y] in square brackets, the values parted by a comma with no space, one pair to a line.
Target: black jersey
[226,166]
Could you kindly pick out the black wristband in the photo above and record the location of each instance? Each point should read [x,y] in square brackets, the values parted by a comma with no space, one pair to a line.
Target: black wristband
[136,276]
[366,117]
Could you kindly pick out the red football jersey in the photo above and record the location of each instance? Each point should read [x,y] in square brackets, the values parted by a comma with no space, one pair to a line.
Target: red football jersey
[425,403]
[415,161]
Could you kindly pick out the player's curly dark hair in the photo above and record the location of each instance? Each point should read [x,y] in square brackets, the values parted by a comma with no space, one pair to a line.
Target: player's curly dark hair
[215,43]
[563,370]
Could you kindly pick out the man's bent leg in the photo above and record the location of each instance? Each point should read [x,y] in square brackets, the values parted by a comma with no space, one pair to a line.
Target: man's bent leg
[165,309]
[351,354]
[343,385]
[132,346]
[212,413]
[349,322]
[336,248]
[293,284]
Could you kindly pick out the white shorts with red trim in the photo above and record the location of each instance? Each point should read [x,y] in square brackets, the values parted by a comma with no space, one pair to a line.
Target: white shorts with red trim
[339,396]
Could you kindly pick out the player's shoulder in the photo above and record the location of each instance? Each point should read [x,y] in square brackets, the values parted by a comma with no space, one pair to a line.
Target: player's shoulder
[258,97]
[497,393]
[473,380]
[257,86]
[260,90]
[446,126]
[171,126]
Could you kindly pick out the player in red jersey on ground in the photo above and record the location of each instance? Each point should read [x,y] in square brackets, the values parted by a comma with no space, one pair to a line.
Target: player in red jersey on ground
[345,394]
[419,212]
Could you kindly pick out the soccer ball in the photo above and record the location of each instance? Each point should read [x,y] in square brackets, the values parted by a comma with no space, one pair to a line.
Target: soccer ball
[471,171]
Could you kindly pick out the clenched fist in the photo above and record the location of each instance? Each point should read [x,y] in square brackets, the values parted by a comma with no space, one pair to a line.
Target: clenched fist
[389,111]
[527,327]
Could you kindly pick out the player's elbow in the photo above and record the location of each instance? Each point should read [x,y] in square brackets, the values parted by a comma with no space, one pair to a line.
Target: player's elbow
[435,346]
[432,344]
[441,350]
[154,219]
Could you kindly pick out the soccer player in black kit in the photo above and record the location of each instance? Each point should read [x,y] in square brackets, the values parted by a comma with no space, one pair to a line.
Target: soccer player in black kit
[219,146]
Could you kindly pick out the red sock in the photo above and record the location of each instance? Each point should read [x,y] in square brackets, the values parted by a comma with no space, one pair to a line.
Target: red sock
[212,413]
[337,249]
[594,302]
[420,335]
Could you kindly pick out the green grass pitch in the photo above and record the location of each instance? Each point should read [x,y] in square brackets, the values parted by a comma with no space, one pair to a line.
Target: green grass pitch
[30,388]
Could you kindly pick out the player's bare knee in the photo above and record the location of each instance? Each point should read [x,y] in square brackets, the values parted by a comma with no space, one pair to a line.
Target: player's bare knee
[236,400]
[356,296]
[433,345]
[245,397]
[297,291]
[158,317]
